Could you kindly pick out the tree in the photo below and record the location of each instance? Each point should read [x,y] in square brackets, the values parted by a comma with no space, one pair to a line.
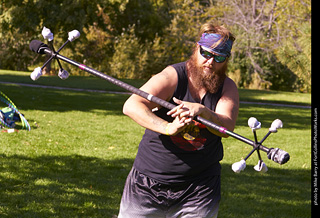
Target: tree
[272,47]
[251,22]
[294,21]
[21,21]
[181,34]
[263,29]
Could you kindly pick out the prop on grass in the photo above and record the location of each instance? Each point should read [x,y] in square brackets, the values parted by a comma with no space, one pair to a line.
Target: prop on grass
[10,114]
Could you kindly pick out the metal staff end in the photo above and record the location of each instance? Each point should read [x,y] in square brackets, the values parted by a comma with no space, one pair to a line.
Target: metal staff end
[279,156]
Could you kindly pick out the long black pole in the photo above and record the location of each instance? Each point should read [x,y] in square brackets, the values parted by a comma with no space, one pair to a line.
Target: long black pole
[169,106]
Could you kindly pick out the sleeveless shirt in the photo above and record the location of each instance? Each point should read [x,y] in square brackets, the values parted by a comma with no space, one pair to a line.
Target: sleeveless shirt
[190,155]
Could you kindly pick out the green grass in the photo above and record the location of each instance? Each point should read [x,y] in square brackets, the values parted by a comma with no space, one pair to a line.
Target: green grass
[74,161]
[85,82]
[99,84]
[291,98]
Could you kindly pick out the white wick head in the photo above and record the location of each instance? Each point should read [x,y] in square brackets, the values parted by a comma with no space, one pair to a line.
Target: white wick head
[47,34]
[36,74]
[239,166]
[63,74]
[261,167]
[253,123]
[276,124]
[73,35]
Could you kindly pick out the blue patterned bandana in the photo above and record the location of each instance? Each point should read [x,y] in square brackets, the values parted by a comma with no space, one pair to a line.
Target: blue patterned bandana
[223,48]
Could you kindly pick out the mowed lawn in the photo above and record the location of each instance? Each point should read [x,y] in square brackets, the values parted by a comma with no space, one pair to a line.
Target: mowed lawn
[74,161]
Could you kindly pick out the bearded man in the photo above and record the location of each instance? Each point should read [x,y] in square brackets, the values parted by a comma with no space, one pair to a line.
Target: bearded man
[176,172]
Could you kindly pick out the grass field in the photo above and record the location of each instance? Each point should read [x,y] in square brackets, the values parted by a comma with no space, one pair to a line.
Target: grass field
[74,161]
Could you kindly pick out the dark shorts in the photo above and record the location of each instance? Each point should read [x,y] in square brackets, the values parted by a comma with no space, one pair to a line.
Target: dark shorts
[145,197]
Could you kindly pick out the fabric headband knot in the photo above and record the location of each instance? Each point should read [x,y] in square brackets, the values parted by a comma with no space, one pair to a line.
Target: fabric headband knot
[223,48]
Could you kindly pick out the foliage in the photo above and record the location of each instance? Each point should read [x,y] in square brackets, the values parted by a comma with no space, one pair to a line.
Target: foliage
[272,47]
[181,34]
[261,30]
[296,55]
[129,57]
[132,59]
[294,52]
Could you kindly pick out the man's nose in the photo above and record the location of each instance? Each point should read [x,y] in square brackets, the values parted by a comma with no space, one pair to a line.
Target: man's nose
[210,61]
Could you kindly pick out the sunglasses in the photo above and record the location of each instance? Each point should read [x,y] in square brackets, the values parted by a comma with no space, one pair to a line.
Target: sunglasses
[208,55]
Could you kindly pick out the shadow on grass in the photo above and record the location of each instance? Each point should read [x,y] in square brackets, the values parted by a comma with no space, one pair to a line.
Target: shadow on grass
[292,118]
[80,186]
[29,98]
[278,193]
[62,186]
[86,82]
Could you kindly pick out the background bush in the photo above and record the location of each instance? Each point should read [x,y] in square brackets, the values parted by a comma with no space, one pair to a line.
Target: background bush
[138,38]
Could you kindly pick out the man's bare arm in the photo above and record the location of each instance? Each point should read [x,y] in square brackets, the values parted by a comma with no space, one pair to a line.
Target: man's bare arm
[139,109]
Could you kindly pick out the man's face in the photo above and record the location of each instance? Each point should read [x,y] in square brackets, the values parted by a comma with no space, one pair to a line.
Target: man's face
[207,73]
[210,66]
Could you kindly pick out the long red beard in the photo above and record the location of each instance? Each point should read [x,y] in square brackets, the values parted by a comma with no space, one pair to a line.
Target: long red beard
[211,82]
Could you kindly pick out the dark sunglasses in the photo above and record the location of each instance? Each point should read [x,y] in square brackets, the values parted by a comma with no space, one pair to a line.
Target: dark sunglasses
[208,55]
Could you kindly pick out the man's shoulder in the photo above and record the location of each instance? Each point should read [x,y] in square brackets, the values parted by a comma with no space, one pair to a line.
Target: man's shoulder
[230,89]
[229,83]
[179,66]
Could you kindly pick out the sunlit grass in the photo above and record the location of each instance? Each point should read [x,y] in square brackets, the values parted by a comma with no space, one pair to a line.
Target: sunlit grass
[74,161]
